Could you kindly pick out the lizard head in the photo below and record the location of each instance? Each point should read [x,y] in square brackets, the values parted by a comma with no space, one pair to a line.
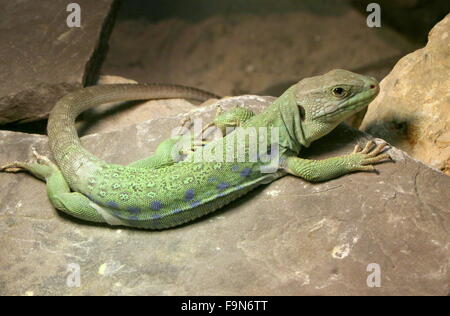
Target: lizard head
[325,101]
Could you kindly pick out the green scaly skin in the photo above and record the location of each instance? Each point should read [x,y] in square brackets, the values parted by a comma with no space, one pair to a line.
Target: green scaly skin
[231,118]
[158,192]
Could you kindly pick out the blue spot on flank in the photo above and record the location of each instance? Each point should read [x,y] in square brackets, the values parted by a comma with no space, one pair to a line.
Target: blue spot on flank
[189,195]
[175,211]
[112,204]
[156,205]
[90,197]
[222,186]
[246,172]
[133,218]
[221,194]
[118,214]
[235,168]
[196,203]
[156,216]
[134,209]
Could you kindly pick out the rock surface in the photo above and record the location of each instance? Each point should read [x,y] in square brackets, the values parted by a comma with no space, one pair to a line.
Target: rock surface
[413,109]
[43,59]
[290,237]
[240,47]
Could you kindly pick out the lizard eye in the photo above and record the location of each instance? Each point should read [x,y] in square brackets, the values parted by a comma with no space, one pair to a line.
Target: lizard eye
[339,92]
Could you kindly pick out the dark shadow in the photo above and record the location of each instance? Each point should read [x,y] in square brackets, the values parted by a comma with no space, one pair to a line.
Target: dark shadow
[36,127]
[198,10]
[88,118]
[413,19]
[95,62]
[395,129]
[67,218]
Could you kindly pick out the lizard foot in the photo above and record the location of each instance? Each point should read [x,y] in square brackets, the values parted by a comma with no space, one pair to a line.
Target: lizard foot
[184,126]
[362,159]
[40,158]
[18,166]
[12,167]
[194,146]
[186,122]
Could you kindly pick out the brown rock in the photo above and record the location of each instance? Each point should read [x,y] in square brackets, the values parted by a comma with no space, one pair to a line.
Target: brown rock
[259,47]
[290,237]
[413,109]
[44,59]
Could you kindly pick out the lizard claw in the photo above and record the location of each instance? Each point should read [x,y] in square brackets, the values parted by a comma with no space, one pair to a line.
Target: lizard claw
[378,149]
[368,146]
[186,122]
[364,168]
[357,149]
[184,126]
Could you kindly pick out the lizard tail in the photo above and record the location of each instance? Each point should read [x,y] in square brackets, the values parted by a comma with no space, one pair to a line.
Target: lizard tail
[63,137]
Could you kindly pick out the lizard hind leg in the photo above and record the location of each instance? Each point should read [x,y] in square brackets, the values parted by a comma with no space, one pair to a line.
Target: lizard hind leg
[72,203]
[41,169]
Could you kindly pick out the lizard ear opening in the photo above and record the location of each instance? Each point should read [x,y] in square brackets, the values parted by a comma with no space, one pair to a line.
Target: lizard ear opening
[302,112]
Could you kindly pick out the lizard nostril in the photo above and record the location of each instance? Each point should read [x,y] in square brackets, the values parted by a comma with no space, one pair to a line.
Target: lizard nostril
[372,86]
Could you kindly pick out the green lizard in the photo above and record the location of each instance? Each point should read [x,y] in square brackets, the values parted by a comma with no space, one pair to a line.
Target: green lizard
[159,192]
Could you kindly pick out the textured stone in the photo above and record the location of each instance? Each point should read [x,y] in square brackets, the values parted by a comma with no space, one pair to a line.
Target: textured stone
[413,109]
[43,59]
[289,237]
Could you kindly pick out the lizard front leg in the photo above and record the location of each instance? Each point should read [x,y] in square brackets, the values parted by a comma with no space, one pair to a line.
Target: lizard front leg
[163,156]
[171,150]
[322,170]
[232,118]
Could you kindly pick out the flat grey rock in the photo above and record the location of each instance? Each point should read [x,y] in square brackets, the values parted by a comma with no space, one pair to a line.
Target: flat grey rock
[289,237]
[43,59]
